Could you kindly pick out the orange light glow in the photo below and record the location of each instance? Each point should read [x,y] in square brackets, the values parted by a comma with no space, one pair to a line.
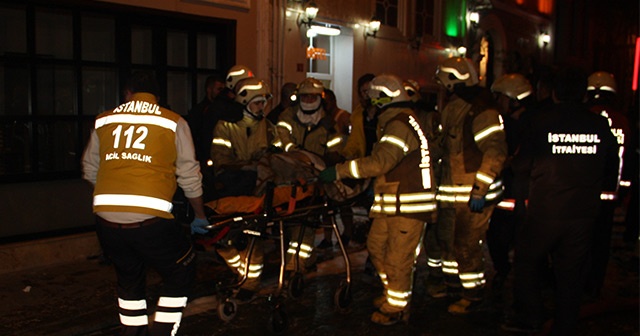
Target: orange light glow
[545,6]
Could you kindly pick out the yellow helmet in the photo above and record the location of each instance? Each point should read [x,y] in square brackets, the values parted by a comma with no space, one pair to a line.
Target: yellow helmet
[387,89]
[514,86]
[457,70]
[250,88]
[237,73]
[603,81]
[310,86]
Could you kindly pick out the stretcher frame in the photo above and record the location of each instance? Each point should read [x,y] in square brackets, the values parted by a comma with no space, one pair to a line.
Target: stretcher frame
[309,217]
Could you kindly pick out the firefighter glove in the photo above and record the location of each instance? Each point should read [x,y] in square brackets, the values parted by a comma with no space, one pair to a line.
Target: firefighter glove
[476,203]
[328,175]
[198,224]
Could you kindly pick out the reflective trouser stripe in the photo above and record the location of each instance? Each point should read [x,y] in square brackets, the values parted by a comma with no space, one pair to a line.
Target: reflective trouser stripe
[472,280]
[137,312]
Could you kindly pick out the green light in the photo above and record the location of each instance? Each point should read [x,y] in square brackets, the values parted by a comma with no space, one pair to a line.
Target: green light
[455,17]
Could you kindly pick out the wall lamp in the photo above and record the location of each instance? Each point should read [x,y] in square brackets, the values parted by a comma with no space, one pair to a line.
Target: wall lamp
[309,14]
[545,38]
[474,17]
[372,28]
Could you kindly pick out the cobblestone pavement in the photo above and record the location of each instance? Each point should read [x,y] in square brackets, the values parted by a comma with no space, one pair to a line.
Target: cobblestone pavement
[79,299]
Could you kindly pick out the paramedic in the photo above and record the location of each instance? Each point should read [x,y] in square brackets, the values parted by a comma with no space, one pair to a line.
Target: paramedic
[136,155]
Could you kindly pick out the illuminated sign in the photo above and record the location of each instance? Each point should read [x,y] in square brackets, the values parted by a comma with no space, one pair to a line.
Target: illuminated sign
[317,54]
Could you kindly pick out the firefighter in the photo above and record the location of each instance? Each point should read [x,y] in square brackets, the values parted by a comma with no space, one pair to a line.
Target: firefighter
[236,149]
[136,156]
[515,96]
[474,153]
[601,93]
[223,107]
[308,127]
[570,155]
[404,195]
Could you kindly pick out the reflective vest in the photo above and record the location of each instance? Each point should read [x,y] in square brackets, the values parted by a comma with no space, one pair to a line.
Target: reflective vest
[137,158]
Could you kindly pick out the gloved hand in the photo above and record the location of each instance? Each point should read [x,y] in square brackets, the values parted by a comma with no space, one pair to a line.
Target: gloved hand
[476,203]
[198,224]
[328,175]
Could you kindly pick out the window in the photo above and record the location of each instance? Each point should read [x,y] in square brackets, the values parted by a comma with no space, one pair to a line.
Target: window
[60,66]
[320,60]
[387,12]
[424,17]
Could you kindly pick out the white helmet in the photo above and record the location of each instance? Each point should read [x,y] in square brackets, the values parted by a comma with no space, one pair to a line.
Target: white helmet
[455,71]
[413,90]
[310,86]
[249,89]
[603,81]
[387,89]
[514,86]
[237,73]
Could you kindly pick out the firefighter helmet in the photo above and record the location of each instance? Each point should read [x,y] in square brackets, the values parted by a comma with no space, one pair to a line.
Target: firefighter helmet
[236,74]
[602,81]
[457,71]
[309,87]
[249,89]
[413,90]
[387,89]
[514,86]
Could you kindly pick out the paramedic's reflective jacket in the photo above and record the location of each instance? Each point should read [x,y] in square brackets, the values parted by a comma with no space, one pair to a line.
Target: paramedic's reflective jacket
[477,151]
[153,145]
[401,163]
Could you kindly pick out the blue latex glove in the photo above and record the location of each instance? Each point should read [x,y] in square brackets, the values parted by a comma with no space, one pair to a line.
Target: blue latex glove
[476,203]
[198,224]
[328,175]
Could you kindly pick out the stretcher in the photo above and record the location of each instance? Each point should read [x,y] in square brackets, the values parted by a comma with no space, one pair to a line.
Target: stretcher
[297,199]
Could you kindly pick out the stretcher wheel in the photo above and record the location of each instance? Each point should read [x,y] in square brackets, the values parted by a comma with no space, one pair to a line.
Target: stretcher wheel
[296,285]
[227,310]
[278,321]
[342,298]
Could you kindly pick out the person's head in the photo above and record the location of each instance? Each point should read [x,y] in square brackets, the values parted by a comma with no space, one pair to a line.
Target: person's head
[386,90]
[570,85]
[510,90]
[253,93]
[310,93]
[213,85]
[363,88]
[141,81]
[288,89]
[601,87]
[330,102]
[457,72]
[236,74]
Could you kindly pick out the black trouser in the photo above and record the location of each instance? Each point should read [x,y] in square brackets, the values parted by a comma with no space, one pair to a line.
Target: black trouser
[568,242]
[600,250]
[162,246]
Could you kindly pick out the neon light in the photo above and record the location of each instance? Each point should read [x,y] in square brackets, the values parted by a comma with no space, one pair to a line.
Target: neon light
[636,65]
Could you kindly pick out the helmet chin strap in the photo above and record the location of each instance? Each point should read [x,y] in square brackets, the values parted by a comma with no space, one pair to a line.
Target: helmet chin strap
[252,115]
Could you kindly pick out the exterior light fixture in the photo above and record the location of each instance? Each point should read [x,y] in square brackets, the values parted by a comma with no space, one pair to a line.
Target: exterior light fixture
[372,28]
[325,29]
[474,17]
[462,50]
[309,14]
[545,38]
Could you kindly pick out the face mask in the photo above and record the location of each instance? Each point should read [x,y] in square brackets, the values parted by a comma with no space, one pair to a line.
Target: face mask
[310,108]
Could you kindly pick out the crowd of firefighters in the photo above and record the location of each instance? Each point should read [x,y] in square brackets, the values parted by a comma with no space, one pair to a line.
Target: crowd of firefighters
[505,165]
[440,177]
